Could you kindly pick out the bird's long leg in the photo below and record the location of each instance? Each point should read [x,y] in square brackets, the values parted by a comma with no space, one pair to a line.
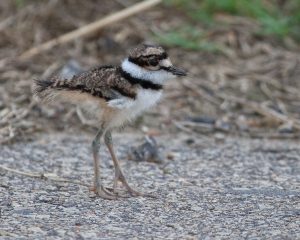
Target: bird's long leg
[119,175]
[99,189]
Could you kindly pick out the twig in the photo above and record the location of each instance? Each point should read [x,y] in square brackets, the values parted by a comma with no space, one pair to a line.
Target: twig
[200,92]
[208,127]
[258,108]
[46,176]
[181,127]
[90,28]
[276,84]
[273,135]
[263,110]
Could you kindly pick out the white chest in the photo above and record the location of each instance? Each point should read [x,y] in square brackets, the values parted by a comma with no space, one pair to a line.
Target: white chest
[130,109]
[145,99]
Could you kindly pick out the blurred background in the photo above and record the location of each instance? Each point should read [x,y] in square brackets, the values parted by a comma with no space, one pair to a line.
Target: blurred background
[242,56]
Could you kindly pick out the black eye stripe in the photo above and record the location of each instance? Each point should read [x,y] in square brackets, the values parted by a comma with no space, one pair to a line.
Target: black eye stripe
[160,56]
[138,61]
[153,62]
[164,55]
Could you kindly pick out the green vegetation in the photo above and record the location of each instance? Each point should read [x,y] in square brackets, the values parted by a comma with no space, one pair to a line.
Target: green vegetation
[189,38]
[277,18]
[19,3]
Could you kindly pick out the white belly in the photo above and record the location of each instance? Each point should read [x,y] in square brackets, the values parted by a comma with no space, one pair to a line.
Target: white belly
[130,109]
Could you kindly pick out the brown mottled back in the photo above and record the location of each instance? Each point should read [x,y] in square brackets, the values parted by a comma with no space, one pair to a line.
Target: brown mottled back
[104,82]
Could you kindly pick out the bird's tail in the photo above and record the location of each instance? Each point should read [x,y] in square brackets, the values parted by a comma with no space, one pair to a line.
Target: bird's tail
[44,90]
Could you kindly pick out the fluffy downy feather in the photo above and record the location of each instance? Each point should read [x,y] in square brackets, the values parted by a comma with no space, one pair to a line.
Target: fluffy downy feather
[128,109]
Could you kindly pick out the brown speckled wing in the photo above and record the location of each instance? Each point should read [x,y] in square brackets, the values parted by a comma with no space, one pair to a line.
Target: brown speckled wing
[104,82]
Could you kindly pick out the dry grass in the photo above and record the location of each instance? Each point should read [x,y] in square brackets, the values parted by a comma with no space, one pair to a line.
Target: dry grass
[250,88]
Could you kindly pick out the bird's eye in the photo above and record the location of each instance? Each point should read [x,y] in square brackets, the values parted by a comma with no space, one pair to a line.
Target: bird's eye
[153,62]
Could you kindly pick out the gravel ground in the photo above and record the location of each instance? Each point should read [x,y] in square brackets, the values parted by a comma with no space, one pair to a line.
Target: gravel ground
[206,188]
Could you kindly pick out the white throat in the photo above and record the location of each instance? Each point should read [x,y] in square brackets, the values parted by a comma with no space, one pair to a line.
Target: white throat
[136,71]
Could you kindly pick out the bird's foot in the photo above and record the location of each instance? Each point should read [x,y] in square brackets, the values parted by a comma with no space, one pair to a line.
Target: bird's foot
[109,193]
[132,192]
[105,193]
[119,177]
[115,192]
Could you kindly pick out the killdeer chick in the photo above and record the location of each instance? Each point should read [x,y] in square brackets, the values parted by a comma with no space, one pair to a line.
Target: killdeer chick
[115,95]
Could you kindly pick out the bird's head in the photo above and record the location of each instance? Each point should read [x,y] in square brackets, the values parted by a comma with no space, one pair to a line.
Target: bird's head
[150,62]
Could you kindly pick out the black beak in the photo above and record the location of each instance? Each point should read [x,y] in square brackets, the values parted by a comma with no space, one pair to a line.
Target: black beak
[176,71]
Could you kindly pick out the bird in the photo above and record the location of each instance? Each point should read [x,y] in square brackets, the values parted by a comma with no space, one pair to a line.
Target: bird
[115,95]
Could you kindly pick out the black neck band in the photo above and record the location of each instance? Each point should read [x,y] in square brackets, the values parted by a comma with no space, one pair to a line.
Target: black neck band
[143,83]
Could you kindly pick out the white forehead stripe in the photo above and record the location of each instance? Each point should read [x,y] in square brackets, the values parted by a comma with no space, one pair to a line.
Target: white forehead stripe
[136,71]
[166,62]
